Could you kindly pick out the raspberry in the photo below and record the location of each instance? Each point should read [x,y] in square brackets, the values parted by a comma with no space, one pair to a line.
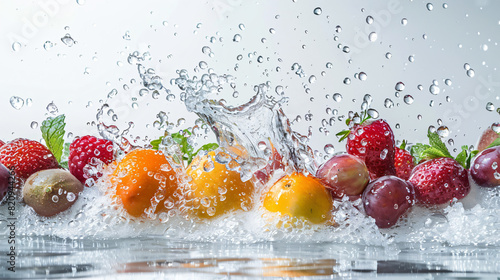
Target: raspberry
[27,157]
[86,154]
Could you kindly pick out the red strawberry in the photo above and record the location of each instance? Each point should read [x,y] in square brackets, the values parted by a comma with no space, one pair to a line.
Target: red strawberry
[373,141]
[2,143]
[439,180]
[91,151]
[403,162]
[27,157]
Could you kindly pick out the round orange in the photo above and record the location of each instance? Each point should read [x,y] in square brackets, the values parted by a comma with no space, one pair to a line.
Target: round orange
[297,195]
[146,182]
[216,190]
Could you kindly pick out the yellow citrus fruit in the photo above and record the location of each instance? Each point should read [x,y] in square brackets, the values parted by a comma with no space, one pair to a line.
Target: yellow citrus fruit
[145,182]
[216,190]
[300,196]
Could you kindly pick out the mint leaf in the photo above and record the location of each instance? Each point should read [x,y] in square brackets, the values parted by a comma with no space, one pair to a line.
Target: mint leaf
[53,134]
[463,156]
[417,152]
[494,143]
[65,156]
[435,142]
[432,153]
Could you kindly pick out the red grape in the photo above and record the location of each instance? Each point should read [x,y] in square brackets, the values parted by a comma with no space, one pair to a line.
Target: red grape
[485,169]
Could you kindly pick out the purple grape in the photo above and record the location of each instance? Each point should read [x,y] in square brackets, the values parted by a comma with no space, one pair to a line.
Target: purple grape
[485,169]
[4,181]
[388,198]
[344,174]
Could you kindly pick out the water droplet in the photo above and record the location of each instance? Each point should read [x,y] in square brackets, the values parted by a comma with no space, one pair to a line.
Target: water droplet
[312,79]
[383,154]
[48,45]
[34,125]
[490,107]
[70,197]
[369,19]
[318,11]
[55,198]
[346,49]
[388,103]
[362,76]
[347,81]
[388,55]
[237,38]
[203,65]
[420,87]
[411,58]
[241,26]
[434,89]
[67,40]
[447,82]
[466,66]
[484,47]
[443,131]
[470,73]
[16,46]
[408,99]
[338,29]
[445,6]
[372,36]
[329,149]
[404,21]
[329,65]
[279,90]
[16,102]
[272,31]
[373,113]
[260,59]
[430,7]
[400,86]
[206,50]
[337,97]
[81,2]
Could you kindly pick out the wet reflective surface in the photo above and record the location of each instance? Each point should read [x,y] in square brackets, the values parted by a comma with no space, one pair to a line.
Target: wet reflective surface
[157,258]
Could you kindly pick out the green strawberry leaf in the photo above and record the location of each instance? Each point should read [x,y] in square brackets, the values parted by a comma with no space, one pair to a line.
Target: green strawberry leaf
[343,135]
[435,142]
[53,134]
[494,143]
[403,145]
[463,156]
[65,155]
[432,153]
[417,152]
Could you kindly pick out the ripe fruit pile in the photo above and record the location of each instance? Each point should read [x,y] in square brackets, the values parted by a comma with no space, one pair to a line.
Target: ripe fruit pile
[170,177]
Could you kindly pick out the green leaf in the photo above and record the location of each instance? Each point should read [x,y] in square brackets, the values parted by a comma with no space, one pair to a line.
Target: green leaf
[343,135]
[463,156]
[470,157]
[403,145]
[432,153]
[417,152]
[494,143]
[53,134]
[65,155]
[207,147]
[156,143]
[435,142]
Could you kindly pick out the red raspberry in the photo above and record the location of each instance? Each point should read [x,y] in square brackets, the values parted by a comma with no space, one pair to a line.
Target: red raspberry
[403,162]
[438,181]
[87,153]
[27,157]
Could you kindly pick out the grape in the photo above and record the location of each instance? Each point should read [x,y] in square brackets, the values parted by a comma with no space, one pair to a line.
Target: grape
[344,174]
[485,169]
[388,198]
[4,181]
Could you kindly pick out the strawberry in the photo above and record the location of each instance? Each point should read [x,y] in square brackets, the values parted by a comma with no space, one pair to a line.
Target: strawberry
[2,143]
[373,142]
[87,152]
[439,180]
[403,162]
[27,157]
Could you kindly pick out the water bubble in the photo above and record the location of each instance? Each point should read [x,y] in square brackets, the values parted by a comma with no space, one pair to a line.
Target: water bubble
[404,21]
[206,50]
[237,38]
[55,198]
[434,89]
[312,79]
[383,154]
[451,142]
[411,58]
[445,6]
[362,76]
[262,145]
[338,29]
[466,66]
[16,46]
[260,59]
[429,6]
[388,103]
[317,11]
[279,90]
[388,55]
[346,49]
[408,99]
[337,97]
[369,19]
[347,81]
[272,30]
[470,73]
[48,45]
[16,102]
[372,36]
[34,125]
[203,65]
[443,131]
[329,149]
[400,86]
[241,26]
[67,40]
[70,197]
[329,65]
[373,113]
[447,82]
[490,107]
[420,87]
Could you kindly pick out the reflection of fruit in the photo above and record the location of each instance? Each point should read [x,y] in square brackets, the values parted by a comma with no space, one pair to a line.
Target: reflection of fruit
[388,198]
[345,174]
[403,162]
[439,180]
[50,192]
[373,141]
[488,136]
[485,169]
[145,182]
[27,157]
[88,150]
[4,181]
[216,190]
[297,195]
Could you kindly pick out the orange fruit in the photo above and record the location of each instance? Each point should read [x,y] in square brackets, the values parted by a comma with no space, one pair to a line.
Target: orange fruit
[216,190]
[145,182]
[300,196]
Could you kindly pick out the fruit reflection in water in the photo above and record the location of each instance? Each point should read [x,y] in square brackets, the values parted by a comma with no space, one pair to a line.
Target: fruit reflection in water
[216,186]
